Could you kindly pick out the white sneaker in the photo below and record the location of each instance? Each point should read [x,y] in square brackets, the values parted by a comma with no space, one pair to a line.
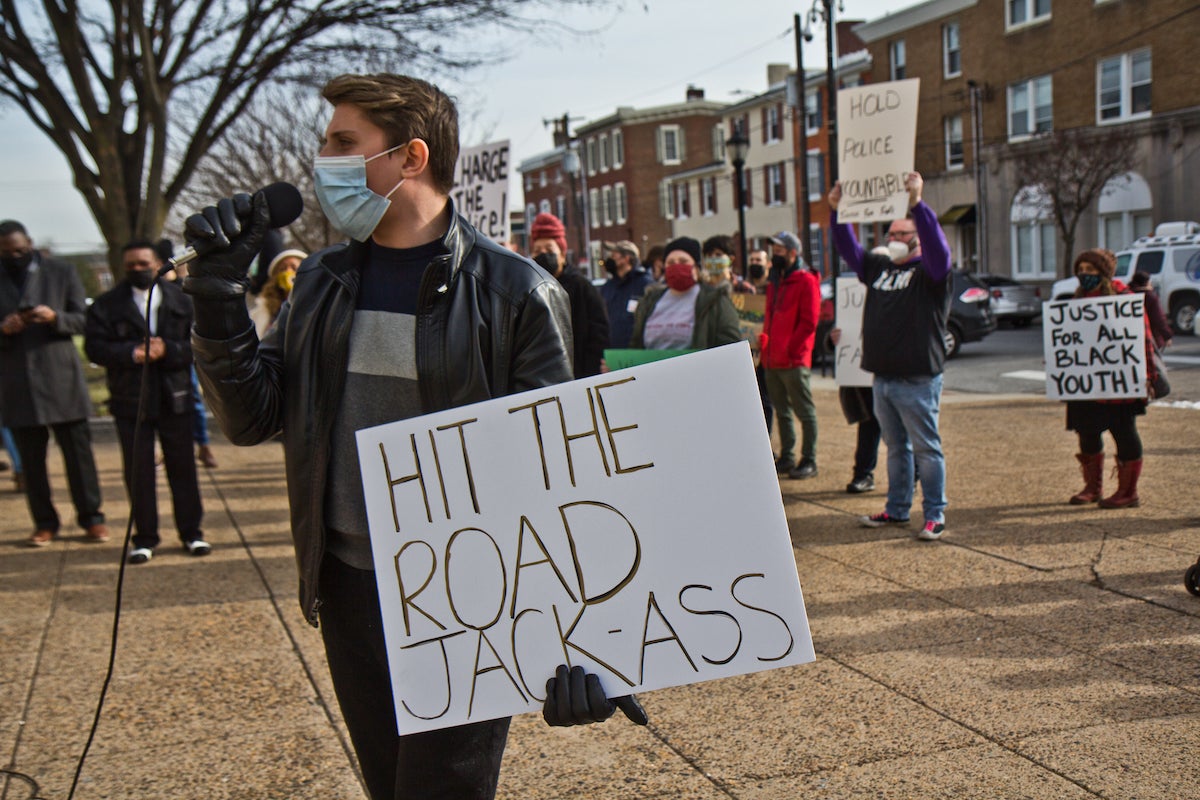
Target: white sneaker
[198,547]
[932,531]
[140,555]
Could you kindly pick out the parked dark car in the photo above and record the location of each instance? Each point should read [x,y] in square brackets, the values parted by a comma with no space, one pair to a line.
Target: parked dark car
[1016,303]
[971,316]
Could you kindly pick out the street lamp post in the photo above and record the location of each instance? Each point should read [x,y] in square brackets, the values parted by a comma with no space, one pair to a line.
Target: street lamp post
[738,145]
[823,10]
[804,34]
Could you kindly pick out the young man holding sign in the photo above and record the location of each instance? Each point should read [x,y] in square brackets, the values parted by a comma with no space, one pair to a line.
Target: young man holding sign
[904,330]
[416,314]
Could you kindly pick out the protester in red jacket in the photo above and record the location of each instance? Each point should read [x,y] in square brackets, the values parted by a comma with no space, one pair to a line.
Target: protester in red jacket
[789,331]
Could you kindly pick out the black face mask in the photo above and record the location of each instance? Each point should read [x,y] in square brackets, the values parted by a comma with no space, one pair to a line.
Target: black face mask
[610,265]
[779,263]
[547,261]
[17,263]
[140,278]
[757,271]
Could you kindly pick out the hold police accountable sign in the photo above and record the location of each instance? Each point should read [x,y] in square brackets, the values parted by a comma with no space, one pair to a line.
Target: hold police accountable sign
[582,523]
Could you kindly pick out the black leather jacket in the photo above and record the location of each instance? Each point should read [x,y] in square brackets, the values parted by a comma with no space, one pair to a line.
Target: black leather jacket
[489,323]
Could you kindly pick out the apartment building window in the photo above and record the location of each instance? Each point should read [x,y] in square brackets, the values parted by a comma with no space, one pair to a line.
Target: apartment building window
[1033,235]
[528,182]
[951,50]
[561,210]
[772,124]
[622,203]
[816,247]
[593,157]
[816,175]
[683,205]
[541,178]
[1022,12]
[718,142]
[670,144]
[606,204]
[544,207]
[605,153]
[812,113]
[954,141]
[1126,210]
[898,60]
[618,145]
[1030,107]
[530,212]
[773,183]
[594,208]
[1123,87]
[708,196]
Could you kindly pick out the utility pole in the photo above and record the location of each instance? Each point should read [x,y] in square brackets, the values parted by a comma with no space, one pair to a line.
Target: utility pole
[572,163]
[802,112]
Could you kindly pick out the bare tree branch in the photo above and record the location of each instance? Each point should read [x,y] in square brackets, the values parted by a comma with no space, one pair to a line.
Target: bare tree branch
[1064,172]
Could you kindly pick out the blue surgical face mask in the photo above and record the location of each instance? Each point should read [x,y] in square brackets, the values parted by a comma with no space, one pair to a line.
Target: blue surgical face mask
[341,187]
[1089,282]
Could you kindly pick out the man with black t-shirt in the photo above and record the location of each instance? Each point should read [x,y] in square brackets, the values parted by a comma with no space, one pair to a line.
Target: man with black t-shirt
[904,346]
[418,313]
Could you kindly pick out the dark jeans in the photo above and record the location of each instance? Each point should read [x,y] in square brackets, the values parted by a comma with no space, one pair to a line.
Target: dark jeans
[460,763]
[175,434]
[1124,433]
[75,441]
[866,452]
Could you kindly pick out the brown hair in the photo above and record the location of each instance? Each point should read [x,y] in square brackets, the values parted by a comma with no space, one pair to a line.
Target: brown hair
[1105,262]
[405,108]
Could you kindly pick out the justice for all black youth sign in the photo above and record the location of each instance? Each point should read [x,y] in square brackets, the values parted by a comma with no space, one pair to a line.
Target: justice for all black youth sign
[1095,348]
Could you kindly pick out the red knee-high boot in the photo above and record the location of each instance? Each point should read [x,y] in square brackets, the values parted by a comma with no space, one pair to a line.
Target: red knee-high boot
[1092,467]
[1127,479]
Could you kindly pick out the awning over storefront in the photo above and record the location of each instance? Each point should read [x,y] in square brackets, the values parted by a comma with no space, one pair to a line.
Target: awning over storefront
[959,215]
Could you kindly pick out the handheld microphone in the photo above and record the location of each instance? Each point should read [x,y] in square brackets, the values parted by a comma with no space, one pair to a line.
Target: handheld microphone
[284,205]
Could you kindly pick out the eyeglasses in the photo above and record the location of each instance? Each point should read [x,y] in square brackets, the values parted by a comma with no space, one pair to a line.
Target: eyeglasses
[900,234]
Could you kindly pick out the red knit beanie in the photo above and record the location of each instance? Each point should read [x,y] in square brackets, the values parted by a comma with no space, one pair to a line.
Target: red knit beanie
[548,226]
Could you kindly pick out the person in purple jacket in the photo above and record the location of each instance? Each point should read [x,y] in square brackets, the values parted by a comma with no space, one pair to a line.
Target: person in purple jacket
[904,330]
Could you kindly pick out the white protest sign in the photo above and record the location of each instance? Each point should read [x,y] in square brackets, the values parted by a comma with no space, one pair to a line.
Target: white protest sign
[877,146]
[481,188]
[1095,348]
[580,524]
[851,296]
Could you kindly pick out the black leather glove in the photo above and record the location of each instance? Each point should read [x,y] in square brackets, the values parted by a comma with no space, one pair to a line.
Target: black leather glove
[229,235]
[575,697]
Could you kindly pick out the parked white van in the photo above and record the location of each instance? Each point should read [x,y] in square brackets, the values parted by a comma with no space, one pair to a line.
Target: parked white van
[1171,257]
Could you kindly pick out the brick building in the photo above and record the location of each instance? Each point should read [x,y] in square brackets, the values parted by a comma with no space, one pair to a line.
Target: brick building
[997,74]
[623,159]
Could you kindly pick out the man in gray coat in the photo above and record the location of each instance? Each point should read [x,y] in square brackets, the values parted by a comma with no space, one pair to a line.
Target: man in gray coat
[41,307]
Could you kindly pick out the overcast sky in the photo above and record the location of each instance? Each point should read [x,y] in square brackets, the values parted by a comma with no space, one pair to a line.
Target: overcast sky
[644,53]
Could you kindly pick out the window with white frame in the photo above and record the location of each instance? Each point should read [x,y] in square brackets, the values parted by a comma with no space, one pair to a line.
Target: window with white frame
[558,178]
[708,196]
[951,50]
[774,184]
[718,142]
[1024,12]
[1030,107]
[618,146]
[541,178]
[683,205]
[812,113]
[670,144]
[605,153]
[594,208]
[622,197]
[530,212]
[528,181]
[816,174]
[1123,87]
[544,207]
[954,141]
[896,68]
[1034,236]
[774,129]
[665,201]
[561,209]
[1126,210]
[816,247]
[606,203]
[593,157]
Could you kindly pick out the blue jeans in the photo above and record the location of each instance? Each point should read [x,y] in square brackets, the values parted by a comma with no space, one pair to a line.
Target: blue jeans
[907,409]
[10,445]
[200,417]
